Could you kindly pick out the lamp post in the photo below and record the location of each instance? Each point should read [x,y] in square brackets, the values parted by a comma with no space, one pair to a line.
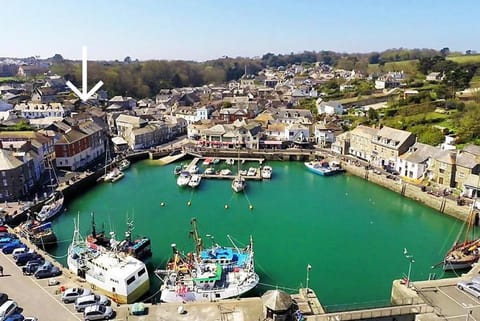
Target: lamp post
[410,261]
[309,267]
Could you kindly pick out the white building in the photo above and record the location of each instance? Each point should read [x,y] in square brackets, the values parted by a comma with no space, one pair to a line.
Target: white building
[38,110]
[330,108]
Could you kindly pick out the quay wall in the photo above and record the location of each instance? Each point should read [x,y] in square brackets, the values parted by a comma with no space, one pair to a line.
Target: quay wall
[442,204]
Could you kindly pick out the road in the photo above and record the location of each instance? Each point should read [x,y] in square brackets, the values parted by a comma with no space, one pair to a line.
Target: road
[34,296]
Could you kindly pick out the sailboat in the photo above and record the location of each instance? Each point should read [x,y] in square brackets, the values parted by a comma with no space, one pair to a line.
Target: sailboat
[239,183]
[464,253]
[54,204]
[209,274]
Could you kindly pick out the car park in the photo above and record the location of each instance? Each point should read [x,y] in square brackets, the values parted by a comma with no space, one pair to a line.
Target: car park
[71,294]
[97,312]
[84,301]
[470,287]
[47,270]
[7,309]
[23,258]
[15,317]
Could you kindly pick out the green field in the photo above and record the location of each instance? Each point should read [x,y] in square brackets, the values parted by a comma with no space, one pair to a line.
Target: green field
[466,59]
[405,65]
[475,82]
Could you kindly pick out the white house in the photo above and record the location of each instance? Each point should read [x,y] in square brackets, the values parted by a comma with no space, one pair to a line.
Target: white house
[297,132]
[323,135]
[415,162]
[38,110]
[330,108]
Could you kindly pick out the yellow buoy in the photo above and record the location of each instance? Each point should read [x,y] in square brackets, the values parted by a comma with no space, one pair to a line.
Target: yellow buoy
[226,205]
[189,203]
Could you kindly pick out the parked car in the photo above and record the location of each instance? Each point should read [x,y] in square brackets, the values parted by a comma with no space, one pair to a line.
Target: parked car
[3,228]
[470,287]
[3,298]
[47,270]
[7,309]
[15,317]
[30,319]
[19,250]
[71,294]
[32,266]
[8,249]
[84,301]
[6,239]
[97,312]
[22,258]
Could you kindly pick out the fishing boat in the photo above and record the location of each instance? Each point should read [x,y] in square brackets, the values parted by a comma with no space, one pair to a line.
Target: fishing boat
[464,253]
[183,178]
[209,171]
[207,161]
[266,172]
[195,180]
[239,183]
[115,274]
[230,161]
[51,208]
[193,169]
[225,172]
[139,247]
[114,175]
[178,169]
[38,233]
[252,171]
[208,274]
[324,168]
[216,161]
[124,164]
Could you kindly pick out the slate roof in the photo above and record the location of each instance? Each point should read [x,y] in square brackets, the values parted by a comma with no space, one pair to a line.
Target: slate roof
[8,161]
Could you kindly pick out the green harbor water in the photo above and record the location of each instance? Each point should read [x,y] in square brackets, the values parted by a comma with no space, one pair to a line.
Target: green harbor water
[350,231]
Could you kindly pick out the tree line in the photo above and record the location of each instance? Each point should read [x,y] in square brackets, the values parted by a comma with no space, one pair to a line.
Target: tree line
[145,78]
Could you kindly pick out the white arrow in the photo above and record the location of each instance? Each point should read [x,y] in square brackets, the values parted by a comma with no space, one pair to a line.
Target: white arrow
[84,95]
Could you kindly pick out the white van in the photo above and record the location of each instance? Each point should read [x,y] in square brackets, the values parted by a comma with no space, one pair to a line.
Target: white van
[19,250]
[7,309]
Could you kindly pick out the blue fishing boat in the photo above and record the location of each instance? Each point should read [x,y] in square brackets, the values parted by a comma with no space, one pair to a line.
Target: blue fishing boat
[208,274]
[324,168]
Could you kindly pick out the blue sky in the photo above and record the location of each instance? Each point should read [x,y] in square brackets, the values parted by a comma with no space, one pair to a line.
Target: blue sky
[208,29]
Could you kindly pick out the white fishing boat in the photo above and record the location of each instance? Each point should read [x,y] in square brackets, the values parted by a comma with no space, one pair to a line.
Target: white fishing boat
[183,178]
[51,208]
[124,164]
[209,171]
[195,180]
[225,172]
[252,171]
[114,175]
[239,184]
[115,274]
[209,274]
[266,172]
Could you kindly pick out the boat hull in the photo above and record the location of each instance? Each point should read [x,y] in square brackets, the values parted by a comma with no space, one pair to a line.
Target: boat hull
[323,171]
[177,295]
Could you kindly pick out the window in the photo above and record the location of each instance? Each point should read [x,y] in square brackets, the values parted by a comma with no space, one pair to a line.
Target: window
[130,280]
[441,170]
[142,271]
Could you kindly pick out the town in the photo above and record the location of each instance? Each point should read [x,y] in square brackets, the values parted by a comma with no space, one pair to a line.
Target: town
[407,124]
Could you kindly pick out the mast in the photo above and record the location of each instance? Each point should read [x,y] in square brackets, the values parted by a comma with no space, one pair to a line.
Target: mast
[94,231]
[196,238]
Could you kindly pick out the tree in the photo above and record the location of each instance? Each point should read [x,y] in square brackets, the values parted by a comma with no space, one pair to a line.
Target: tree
[57,58]
[445,51]
[127,60]
[372,114]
